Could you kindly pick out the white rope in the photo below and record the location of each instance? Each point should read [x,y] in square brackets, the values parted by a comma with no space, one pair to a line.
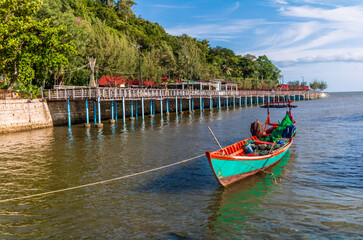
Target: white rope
[100,182]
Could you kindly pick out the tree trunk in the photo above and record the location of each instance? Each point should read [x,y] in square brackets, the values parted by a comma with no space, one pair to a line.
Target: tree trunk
[15,76]
[92,63]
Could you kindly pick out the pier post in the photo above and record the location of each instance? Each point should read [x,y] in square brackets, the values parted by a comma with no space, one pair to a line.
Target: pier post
[161,108]
[246,101]
[136,109]
[176,105]
[240,101]
[193,105]
[94,112]
[132,110]
[181,106]
[257,99]
[151,109]
[99,124]
[263,99]
[142,109]
[123,110]
[87,124]
[116,110]
[226,99]
[219,102]
[69,113]
[154,108]
[190,105]
[210,103]
[112,120]
[167,106]
[251,100]
[200,103]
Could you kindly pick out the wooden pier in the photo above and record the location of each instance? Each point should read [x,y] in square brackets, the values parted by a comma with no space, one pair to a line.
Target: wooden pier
[110,93]
[149,102]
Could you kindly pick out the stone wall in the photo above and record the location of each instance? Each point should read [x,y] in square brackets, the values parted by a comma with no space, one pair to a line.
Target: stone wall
[23,114]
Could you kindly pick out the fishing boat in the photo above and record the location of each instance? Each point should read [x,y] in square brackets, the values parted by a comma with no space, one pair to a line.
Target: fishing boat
[242,159]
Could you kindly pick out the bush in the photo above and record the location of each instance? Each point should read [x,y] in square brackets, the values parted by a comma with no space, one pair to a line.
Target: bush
[27,91]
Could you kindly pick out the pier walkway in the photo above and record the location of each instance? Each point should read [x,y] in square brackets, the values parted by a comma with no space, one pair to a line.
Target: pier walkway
[111,93]
[74,104]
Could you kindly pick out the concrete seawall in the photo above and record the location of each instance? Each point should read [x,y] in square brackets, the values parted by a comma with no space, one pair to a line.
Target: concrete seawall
[23,114]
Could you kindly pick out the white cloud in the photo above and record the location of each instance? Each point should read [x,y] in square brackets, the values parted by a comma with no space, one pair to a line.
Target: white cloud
[227,29]
[323,37]
[236,6]
[281,2]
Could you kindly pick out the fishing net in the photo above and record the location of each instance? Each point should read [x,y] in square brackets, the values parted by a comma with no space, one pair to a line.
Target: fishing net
[278,132]
[256,129]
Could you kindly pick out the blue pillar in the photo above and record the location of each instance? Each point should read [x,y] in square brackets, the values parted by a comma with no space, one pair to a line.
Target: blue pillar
[190,105]
[123,110]
[161,108]
[257,99]
[200,103]
[251,100]
[154,110]
[151,107]
[132,109]
[116,110]
[176,105]
[263,99]
[69,113]
[112,114]
[240,101]
[210,103]
[99,110]
[87,112]
[142,109]
[136,109]
[227,102]
[245,101]
[95,112]
[167,105]
[181,105]
[219,102]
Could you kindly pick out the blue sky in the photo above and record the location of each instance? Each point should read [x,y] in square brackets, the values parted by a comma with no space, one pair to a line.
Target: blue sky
[306,39]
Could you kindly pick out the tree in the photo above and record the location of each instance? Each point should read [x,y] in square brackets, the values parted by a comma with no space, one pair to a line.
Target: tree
[28,45]
[322,85]
[314,85]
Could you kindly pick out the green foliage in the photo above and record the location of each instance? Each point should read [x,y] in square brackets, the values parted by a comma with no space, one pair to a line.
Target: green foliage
[28,45]
[28,91]
[322,85]
[314,85]
[36,43]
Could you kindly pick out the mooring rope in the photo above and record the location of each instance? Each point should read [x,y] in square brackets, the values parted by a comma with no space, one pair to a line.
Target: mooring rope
[100,182]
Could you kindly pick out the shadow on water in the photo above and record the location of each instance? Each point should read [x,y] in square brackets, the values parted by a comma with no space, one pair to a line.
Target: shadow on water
[234,206]
[194,175]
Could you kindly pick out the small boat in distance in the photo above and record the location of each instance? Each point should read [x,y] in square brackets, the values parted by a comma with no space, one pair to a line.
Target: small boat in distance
[252,155]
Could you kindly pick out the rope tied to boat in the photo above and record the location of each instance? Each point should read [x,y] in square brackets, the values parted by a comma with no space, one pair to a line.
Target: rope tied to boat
[100,182]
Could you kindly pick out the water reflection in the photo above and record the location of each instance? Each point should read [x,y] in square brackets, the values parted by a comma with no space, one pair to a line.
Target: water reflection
[236,205]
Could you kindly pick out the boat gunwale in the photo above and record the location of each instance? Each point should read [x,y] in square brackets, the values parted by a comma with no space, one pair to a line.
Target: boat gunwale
[248,158]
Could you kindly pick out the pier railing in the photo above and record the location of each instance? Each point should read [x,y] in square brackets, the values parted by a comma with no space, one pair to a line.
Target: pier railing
[107,93]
